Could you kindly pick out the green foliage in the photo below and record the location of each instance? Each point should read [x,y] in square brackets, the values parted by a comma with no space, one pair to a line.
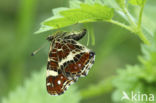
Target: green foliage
[92,11]
[34,91]
[137,2]
[139,78]
[121,3]
[84,13]
[134,78]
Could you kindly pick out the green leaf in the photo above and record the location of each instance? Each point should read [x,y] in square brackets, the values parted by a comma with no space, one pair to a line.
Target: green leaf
[58,23]
[149,57]
[94,1]
[121,3]
[82,14]
[34,91]
[74,3]
[57,10]
[136,79]
[137,2]
[43,28]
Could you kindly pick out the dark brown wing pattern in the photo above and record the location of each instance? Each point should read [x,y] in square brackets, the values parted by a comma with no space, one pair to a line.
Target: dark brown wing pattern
[67,61]
[57,85]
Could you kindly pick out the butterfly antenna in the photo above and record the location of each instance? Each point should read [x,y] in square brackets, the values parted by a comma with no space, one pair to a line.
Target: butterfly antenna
[36,51]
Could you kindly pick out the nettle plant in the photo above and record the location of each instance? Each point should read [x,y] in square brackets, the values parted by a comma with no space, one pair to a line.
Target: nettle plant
[138,78]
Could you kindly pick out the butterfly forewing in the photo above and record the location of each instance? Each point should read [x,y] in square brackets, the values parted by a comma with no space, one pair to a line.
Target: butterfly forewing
[79,60]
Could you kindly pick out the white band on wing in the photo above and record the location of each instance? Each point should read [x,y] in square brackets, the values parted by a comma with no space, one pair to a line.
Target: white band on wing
[51,73]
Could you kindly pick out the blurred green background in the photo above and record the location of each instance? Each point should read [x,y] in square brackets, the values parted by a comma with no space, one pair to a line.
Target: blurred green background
[19,19]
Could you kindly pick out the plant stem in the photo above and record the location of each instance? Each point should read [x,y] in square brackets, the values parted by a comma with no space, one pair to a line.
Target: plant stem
[140,16]
[120,24]
[142,37]
[126,12]
[136,31]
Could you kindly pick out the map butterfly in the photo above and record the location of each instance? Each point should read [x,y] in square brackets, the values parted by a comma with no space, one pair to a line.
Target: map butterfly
[67,61]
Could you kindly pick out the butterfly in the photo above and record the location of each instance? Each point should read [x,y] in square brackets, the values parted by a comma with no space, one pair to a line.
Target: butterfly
[67,61]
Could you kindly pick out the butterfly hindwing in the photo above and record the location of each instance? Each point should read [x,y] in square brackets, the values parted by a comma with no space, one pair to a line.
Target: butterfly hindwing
[56,84]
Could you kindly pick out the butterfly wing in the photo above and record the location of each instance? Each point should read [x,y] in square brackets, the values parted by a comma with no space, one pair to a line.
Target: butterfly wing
[56,81]
[56,85]
[76,59]
[67,61]
[83,60]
